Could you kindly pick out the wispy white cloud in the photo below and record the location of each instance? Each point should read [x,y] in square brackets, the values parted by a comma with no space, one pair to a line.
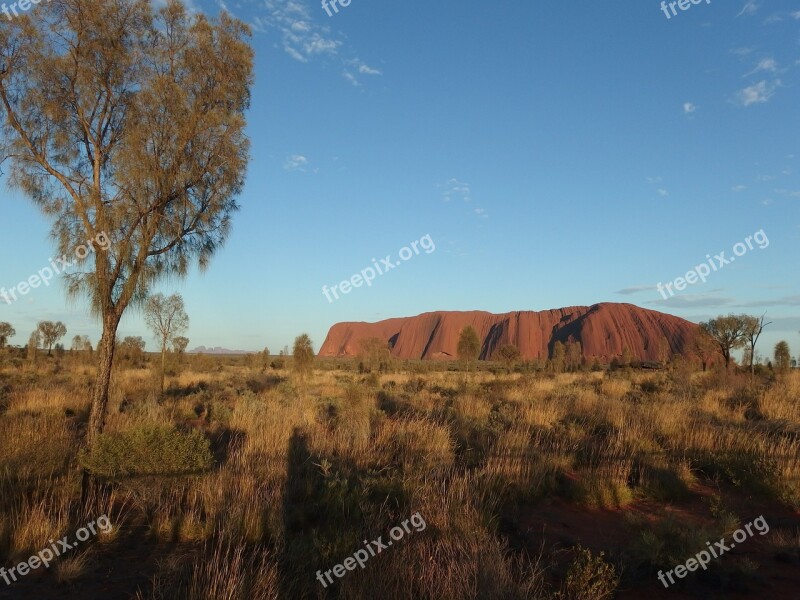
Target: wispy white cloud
[765,64]
[304,39]
[689,108]
[357,66]
[785,301]
[629,291]
[457,189]
[750,8]
[739,188]
[454,189]
[367,70]
[663,193]
[758,93]
[295,162]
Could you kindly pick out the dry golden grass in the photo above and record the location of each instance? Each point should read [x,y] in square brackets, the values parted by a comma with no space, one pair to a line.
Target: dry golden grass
[305,471]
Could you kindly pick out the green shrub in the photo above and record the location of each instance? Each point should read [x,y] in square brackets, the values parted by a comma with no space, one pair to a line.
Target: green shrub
[149,450]
[589,577]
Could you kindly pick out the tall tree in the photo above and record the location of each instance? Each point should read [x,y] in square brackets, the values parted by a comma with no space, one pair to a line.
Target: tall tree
[166,317]
[6,331]
[753,327]
[783,357]
[126,124]
[728,334]
[469,346]
[50,333]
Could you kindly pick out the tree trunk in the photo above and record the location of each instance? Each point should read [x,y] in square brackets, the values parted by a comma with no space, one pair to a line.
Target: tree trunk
[105,349]
[163,366]
[97,417]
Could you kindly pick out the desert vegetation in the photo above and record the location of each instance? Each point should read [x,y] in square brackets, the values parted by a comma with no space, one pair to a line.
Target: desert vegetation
[242,481]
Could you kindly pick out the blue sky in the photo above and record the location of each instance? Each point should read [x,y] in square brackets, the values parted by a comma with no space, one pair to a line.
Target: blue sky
[557,154]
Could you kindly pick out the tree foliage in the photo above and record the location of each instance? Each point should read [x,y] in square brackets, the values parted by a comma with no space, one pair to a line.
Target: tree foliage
[6,331]
[469,345]
[166,317]
[303,355]
[374,352]
[728,334]
[50,333]
[783,357]
[508,354]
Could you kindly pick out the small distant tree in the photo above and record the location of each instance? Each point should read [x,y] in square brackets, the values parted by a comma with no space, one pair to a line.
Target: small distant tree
[627,356]
[508,354]
[303,355]
[574,355]
[33,346]
[50,333]
[558,358]
[753,327]
[664,350]
[262,360]
[180,343]
[469,346]
[374,352]
[132,349]
[6,331]
[704,347]
[166,317]
[783,358]
[728,334]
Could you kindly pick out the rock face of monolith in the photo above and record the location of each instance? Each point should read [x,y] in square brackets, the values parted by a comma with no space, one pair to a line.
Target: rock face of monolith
[603,330]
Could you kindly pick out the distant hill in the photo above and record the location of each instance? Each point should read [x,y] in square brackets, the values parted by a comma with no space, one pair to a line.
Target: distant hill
[217,350]
[602,329]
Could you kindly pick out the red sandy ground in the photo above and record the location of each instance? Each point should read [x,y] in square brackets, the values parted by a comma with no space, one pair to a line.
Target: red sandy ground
[556,522]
